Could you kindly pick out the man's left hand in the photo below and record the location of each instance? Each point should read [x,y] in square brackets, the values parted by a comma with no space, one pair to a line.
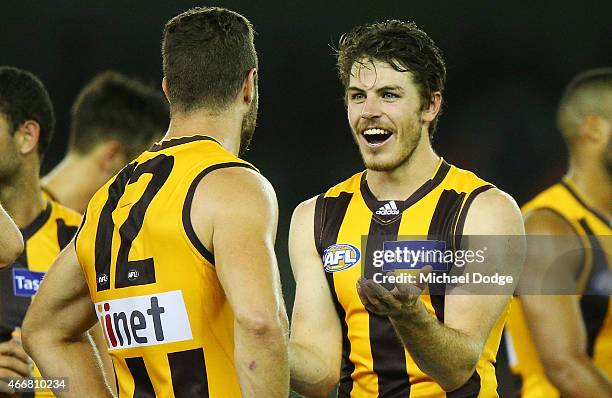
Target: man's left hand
[392,303]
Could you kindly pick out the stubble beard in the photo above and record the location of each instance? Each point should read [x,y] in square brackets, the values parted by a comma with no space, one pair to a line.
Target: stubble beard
[247,130]
[9,167]
[405,152]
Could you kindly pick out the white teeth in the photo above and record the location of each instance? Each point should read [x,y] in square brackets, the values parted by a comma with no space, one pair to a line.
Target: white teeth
[375,131]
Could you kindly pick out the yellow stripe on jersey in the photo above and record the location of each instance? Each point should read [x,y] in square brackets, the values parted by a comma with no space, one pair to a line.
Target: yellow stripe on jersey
[563,199]
[349,217]
[44,238]
[165,316]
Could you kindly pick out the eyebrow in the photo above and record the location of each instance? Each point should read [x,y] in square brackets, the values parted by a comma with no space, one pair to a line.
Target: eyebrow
[378,90]
[391,88]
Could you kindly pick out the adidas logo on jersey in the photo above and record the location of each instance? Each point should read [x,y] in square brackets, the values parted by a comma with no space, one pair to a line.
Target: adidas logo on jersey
[389,209]
[144,320]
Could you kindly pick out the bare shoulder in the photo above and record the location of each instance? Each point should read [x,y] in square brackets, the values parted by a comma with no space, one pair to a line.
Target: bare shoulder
[301,233]
[302,246]
[547,222]
[494,212]
[304,212]
[233,200]
[236,188]
[495,201]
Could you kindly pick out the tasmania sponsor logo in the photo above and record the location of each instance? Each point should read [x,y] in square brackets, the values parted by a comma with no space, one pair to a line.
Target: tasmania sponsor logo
[144,320]
[340,256]
[26,282]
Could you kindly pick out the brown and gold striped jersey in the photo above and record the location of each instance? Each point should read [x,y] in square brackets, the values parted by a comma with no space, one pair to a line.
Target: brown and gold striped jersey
[163,311]
[44,238]
[596,308]
[374,362]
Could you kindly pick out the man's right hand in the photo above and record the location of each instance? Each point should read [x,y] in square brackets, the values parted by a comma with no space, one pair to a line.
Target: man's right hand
[14,363]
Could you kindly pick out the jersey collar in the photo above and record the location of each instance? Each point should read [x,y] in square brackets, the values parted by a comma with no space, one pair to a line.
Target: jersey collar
[569,186]
[375,205]
[38,222]
[179,141]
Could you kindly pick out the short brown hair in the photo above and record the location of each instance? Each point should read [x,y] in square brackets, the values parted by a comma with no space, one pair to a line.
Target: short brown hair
[583,95]
[113,106]
[403,46]
[207,53]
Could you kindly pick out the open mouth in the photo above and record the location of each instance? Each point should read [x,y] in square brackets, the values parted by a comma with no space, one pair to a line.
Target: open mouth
[376,137]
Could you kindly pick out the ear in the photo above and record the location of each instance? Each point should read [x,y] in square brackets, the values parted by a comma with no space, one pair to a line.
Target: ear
[595,129]
[249,89]
[27,137]
[429,113]
[165,88]
[110,158]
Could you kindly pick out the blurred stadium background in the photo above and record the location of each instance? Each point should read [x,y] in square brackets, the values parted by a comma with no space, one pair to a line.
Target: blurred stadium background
[507,64]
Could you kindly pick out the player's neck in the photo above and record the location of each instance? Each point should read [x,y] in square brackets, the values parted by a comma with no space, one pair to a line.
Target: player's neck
[68,183]
[403,181]
[22,196]
[592,181]
[224,126]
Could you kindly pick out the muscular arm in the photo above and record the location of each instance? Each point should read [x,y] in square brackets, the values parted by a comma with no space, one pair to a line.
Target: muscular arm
[11,241]
[315,346]
[13,359]
[562,350]
[100,343]
[241,232]
[54,332]
[449,351]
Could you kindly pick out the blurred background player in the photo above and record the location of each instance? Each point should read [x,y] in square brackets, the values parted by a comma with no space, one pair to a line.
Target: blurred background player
[113,120]
[11,242]
[176,253]
[394,76]
[563,343]
[26,126]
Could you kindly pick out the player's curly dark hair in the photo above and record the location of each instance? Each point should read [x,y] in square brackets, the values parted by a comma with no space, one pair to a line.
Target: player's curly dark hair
[23,97]
[207,53]
[403,46]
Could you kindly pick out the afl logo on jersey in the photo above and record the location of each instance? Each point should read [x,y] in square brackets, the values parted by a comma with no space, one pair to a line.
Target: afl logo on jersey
[103,279]
[340,256]
[133,274]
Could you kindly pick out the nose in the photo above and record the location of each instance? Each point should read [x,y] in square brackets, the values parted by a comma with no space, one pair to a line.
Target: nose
[371,108]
